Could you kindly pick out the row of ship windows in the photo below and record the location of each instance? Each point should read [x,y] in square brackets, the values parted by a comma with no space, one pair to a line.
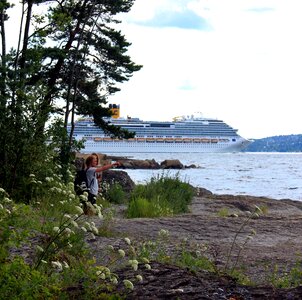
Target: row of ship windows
[135,145]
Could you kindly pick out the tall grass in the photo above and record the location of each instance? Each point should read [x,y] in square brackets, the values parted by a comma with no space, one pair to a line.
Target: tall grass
[161,196]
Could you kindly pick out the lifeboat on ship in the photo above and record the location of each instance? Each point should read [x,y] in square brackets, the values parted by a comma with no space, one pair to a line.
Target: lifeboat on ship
[150,140]
[107,139]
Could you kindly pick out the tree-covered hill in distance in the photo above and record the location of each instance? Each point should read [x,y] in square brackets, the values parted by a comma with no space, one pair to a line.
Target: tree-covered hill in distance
[281,143]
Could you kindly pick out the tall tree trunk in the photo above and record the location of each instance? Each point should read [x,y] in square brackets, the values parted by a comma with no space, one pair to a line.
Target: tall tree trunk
[3,61]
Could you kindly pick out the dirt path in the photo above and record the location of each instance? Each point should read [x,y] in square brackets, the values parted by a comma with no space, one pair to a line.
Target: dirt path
[277,242]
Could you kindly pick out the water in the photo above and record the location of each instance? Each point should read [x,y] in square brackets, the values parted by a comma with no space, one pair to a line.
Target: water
[273,175]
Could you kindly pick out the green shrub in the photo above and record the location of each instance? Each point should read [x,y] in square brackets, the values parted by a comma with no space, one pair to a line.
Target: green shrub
[115,194]
[162,196]
[143,208]
[19,281]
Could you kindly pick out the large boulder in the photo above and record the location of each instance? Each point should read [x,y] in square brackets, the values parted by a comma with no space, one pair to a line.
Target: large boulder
[139,164]
[120,177]
[171,164]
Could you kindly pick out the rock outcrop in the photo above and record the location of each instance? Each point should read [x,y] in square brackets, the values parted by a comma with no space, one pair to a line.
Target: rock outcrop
[120,177]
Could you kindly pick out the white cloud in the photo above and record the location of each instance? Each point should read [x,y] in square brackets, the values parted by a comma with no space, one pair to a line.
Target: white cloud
[246,70]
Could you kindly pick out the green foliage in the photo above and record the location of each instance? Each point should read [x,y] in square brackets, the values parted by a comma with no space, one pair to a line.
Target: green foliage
[144,208]
[19,281]
[289,279]
[54,227]
[161,196]
[114,193]
[194,262]
[223,212]
[69,62]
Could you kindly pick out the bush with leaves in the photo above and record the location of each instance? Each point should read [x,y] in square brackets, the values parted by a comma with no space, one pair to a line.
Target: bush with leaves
[161,196]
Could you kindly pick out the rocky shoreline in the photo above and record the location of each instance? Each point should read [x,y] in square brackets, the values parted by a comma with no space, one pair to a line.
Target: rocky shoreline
[130,163]
[274,250]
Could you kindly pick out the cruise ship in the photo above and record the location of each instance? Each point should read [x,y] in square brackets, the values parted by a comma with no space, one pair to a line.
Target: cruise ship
[190,134]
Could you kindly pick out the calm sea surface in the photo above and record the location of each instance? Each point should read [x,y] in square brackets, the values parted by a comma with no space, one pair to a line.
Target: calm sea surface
[274,175]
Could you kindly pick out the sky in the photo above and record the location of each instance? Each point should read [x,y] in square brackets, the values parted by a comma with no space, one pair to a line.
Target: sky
[236,60]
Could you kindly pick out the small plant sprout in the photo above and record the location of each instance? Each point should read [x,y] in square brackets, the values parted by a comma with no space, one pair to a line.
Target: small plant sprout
[139,278]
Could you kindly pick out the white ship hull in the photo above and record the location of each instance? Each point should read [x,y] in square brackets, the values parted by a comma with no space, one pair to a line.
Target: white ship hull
[124,146]
[185,135]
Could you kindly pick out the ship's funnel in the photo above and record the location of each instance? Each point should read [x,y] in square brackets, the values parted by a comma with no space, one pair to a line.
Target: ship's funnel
[115,110]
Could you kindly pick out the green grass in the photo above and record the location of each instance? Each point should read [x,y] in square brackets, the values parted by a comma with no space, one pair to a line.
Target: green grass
[161,196]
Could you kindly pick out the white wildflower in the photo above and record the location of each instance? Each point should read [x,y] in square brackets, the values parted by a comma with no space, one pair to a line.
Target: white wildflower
[147,266]
[7,200]
[39,248]
[43,261]
[74,223]
[83,198]
[67,216]
[92,236]
[127,240]
[83,229]
[95,230]
[114,280]
[88,226]
[79,209]
[163,232]
[110,247]
[68,231]
[56,229]
[65,264]
[145,260]
[1,206]
[139,278]
[121,252]
[32,175]
[128,284]
[57,265]
[2,190]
